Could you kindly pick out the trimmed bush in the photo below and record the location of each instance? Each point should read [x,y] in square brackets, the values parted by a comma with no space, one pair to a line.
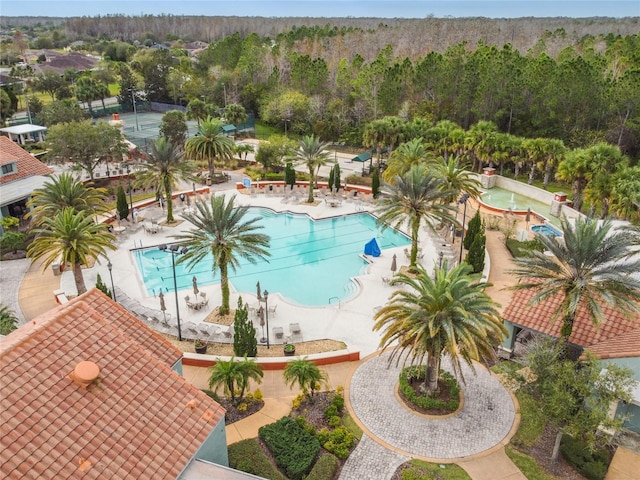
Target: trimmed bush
[428,403]
[593,464]
[325,468]
[339,443]
[247,456]
[293,448]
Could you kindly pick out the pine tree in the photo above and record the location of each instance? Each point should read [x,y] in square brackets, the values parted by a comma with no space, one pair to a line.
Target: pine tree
[336,176]
[121,203]
[375,183]
[475,257]
[102,287]
[245,343]
[473,227]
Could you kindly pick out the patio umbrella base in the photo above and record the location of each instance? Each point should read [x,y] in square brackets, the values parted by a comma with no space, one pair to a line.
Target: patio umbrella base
[263,340]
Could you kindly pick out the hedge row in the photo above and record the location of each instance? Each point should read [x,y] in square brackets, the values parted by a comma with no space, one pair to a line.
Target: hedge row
[593,464]
[247,456]
[325,468]
[293,448]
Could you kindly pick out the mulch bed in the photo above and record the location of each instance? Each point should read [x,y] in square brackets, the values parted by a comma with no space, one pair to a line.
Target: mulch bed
[541,452]
[233,414]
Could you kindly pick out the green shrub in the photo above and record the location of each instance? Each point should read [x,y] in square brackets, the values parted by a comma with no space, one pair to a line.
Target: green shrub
[325,468]
[13,241]
[523,249]
[593,464]
[247,456]
[418,373]
[330,411]
[338,402]
[339,443]
[293,447]
[335,421]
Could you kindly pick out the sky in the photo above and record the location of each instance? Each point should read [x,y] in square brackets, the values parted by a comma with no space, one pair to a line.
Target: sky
[328,8]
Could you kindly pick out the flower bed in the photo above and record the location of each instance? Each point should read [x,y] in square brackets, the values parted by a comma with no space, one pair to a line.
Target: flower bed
[446,401]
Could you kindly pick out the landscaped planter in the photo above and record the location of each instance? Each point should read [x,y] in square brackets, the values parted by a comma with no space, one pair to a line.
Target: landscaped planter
[201,347]
[289,350]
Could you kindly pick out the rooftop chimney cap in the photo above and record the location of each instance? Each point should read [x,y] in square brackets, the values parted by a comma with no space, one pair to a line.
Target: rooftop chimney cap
[86,372]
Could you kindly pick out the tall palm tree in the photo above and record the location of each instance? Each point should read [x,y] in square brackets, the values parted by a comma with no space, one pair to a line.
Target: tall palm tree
[455,179]
[222,231]
[450,313]
[209,143]
[413,152]
[306,374]
[235,113]
[71,237]
[234,376]
[416,197]
[163,169]
[589,267]
[65,191]
[313,153]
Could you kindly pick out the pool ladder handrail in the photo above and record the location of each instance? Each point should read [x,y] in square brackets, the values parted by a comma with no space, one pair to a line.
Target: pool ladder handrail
[337,298]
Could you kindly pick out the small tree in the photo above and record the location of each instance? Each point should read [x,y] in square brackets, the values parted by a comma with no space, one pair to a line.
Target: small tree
[576,401]
[174,127]
[509,230]
[475,257]
[375,183]
[234,376]
[289,175]
[306,374]
[473,227]
[245,343]
[8,320]
[121,203]
[102,287]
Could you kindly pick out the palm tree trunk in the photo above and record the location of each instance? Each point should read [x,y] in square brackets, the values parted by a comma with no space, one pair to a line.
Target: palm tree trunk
[224,285]
[415,229]
[211,168]
[431,377]
[556,446]
[311,179]
[79,278]
[167,191]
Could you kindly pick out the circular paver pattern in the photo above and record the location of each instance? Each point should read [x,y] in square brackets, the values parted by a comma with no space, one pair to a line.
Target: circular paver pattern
[484,421]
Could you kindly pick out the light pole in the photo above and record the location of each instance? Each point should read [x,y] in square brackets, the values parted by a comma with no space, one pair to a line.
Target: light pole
[463,200]
[175,250]
[224,88]
[113,289]
[135,110]
[265,295]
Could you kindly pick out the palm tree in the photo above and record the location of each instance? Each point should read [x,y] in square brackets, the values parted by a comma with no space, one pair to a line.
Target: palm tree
[196,110]
[220,230]
[450,314]
[413,152]
[209,143]
[8,320]
[455,179]
[163,169]
[313,153]
[306,374]
[243,148]
[416,197]
[235,114]
[234,376]
[65,191]
[590,266]
[71,237]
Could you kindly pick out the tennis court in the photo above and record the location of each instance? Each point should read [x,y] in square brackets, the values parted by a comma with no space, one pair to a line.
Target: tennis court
[143,127]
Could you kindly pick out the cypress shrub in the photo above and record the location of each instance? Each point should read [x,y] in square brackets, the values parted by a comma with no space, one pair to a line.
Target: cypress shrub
[475,257]
[121,203]
[245,343]
[102,287]
[473,227]
[375,183]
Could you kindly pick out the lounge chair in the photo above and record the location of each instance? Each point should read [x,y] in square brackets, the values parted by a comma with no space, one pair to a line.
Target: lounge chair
[272,310]
[294,328]
[278,333]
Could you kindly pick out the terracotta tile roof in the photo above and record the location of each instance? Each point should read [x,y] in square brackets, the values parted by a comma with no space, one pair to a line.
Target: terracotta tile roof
[27,164]
[584,333]
[133,328]
[133,423]
[623,346]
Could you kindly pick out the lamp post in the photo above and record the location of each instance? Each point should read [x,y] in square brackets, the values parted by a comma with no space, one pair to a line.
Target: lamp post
[265,295]
[224,88]
[463,200]
[175,250]
[113,288]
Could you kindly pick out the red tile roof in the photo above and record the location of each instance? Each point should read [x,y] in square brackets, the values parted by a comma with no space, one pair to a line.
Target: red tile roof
[624,346]
[27,164]
[134,422]
[584,333]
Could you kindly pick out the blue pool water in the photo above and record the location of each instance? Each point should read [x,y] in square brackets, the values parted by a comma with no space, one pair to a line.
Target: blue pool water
[312,261]
[546,230]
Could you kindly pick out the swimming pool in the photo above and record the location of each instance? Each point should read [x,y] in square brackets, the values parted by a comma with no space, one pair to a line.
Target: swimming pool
[546,230]
[312,261]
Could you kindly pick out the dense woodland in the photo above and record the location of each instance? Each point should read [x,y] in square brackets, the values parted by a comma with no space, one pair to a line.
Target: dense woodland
[508,85]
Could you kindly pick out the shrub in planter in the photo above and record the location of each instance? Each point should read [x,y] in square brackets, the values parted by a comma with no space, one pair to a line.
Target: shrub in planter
[428,403]
[593,464]
[289,350]
[200,346]
[339,443]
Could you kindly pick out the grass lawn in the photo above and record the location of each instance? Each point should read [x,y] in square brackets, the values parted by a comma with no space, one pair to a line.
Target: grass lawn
[351,425]
[447,471]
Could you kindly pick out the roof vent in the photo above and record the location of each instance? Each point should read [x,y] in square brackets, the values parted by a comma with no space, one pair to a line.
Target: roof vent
[85,373]
[192,404]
